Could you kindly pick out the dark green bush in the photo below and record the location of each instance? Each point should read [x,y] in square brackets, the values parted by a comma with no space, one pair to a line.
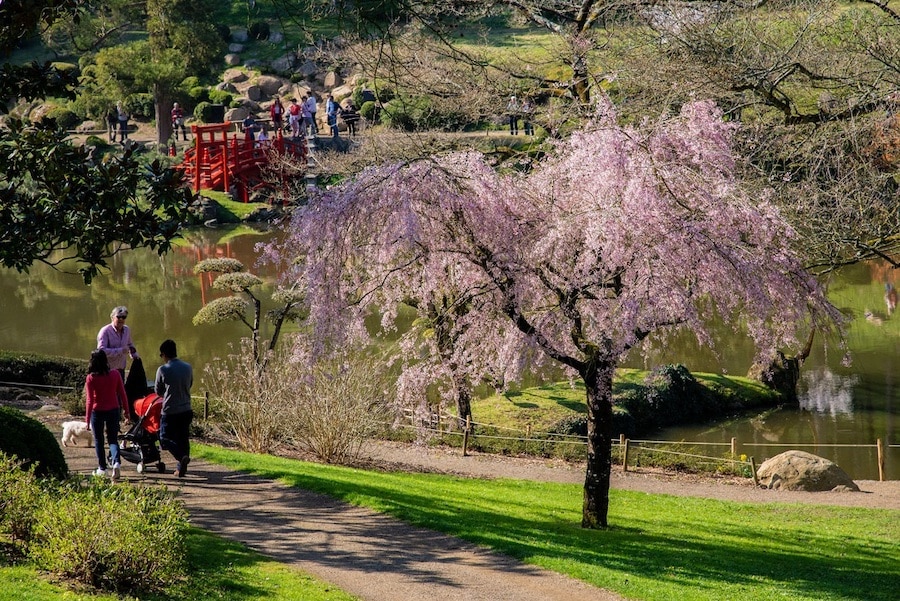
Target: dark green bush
[114,537]
[207,112]
[199,94]
[674,396]
[220,97]
[259,30]
[28,368]
[224,32]
[20,496]
[369,111]
[30,441]
[94,140]
[140,106]
[65,118]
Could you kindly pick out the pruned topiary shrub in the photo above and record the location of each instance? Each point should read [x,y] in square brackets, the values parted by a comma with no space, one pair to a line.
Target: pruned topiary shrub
[31,441]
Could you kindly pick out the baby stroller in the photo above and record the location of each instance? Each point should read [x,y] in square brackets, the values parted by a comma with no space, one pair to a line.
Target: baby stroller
[140,444]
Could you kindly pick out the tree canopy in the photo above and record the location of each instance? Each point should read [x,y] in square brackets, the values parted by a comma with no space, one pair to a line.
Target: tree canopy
[58,201]
[622,233]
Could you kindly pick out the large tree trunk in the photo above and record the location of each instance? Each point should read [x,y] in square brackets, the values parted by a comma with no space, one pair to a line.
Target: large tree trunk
[464,402]
[163,107]
[598,380]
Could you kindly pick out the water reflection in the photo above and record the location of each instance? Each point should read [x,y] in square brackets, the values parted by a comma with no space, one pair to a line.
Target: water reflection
[52,312]
[827,392]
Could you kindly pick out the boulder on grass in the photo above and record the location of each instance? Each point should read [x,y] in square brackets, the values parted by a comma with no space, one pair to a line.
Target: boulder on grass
[798,470]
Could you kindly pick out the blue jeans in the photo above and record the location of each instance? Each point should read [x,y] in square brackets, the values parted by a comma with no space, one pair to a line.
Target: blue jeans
[175,433]
[108,421]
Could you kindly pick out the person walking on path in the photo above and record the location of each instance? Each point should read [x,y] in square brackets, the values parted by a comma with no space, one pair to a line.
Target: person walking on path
[173,383]
[114,339]
[105,403]
[276,112]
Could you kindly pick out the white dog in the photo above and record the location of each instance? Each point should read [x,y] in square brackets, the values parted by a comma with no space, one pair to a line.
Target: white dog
[74,430]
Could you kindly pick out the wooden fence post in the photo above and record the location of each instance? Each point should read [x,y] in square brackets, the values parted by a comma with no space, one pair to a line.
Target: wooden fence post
[466,436]
[625,457]
[206,405]
[733,447]
[880,459]
[753,468]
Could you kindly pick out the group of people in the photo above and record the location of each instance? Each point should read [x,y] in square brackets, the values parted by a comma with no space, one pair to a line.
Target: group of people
[520,110]
[106,402]
[301,116]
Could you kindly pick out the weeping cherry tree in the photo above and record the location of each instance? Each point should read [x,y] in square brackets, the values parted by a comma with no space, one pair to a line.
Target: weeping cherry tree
[622,232]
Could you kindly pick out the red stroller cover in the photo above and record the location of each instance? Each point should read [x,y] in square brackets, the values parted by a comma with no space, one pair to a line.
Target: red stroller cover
[149,409]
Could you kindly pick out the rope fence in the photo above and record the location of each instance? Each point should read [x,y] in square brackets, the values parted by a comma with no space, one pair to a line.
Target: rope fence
[629,447]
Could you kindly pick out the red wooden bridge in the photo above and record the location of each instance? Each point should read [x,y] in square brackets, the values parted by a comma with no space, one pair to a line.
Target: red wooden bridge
[219,162]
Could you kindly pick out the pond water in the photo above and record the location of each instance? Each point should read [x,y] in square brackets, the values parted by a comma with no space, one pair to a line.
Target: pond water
[52,312]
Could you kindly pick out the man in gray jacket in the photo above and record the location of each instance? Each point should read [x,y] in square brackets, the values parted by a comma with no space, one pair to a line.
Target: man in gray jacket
[173,383]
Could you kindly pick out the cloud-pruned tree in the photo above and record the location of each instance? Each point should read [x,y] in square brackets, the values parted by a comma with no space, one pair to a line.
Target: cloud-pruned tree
[622,235]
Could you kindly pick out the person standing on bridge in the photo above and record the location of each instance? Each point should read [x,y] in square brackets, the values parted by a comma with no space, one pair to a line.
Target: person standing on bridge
[311,108]
[295,118]
[276,112]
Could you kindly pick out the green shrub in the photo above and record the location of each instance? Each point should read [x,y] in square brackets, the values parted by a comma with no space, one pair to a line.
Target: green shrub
[114,537]
[206,112]
[97,141]
[141,106]
[368,111]
[30,441]
[28,368]
[20,496]
[259,30]
[220,97]
[72,403]
[199,94]
[224,32]
[65,118]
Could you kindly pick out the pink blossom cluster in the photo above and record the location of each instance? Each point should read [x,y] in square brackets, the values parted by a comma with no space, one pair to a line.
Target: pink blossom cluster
[623,234]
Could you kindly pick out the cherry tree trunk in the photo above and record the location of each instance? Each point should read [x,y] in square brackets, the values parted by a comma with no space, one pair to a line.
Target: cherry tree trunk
[598,380]
[464,402]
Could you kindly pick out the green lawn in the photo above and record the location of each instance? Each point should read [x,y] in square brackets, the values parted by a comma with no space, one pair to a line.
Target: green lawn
[658,547]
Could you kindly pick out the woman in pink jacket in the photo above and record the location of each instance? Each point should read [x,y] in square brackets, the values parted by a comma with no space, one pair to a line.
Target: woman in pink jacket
[104,405]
